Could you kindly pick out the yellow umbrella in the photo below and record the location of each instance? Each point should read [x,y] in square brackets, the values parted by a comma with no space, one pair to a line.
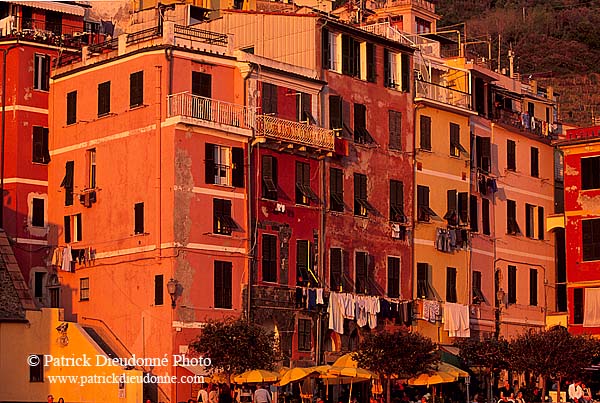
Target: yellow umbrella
[432,379]
[283,370]
[346,360]
[452,370]
[257,376]
[352,372]
[294,375]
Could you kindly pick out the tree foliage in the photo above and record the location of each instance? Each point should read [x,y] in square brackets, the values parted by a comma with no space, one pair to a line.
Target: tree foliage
[235,346]
[553,354]
[489,354]
[401,353]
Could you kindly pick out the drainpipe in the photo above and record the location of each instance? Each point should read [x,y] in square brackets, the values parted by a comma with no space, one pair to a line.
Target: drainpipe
[414,202]
[158,146]
[169,57]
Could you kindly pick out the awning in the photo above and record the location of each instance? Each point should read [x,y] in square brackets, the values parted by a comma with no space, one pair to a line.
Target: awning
[54,6]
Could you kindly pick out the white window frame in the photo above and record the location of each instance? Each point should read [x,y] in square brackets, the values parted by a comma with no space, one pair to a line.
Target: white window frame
[38,60]
[222,160]
[335,50]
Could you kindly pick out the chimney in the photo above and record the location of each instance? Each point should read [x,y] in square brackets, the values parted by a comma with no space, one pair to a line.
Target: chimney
[511,63]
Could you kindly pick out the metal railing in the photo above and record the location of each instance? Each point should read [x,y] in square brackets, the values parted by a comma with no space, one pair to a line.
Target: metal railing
[386,30]
[110,45]
[201,35]
[295,132]
[427,5]
[144,34]
[524,122]
[446,95]
[211,110]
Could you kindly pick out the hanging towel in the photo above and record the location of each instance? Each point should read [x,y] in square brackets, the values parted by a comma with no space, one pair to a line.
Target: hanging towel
[336,313]
[67,258]
[312,299]
[320,296]
[591,313]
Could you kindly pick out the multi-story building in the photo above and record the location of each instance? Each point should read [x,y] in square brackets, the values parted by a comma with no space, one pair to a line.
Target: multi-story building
[149,189]
[581,220]
[34,37]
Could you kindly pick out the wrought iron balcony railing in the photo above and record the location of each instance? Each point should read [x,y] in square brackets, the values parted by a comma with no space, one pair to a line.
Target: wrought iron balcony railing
[295,132]
[211,110]
[439,93]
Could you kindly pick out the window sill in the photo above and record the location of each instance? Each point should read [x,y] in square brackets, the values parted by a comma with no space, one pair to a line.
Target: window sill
[71,124]
[134,107]
[264,199]
[336,212]
[135,234]
[105,115]
[220,234]
[41,90]
[361,216]
[40,163]
[223,309]
[426,150]
[84,300]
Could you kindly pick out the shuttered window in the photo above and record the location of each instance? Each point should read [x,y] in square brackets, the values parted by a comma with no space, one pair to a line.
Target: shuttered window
[455,147]
[397,201]
[512,227]
[139,218]
[304,193]
[136,89]
[395,130]
[405,67]
[304,334]
[237,167]
[335,112]
[512,284]
[269,177]
[578,306]
[269,258]
[159,289]
[67,182]
[336,190]
[371,63]
[71,107]
[222,222]
[590,173]
[222,285]
[37,212]
[484,152]
[41,78]
[361,204]
[269,99]
[529,217]
[533,287]
[335,269]
[485,216]
[473,216]
[361,272]
[393,280]
[511,155]
[104,98]
[541,228]
[535,162]
[40,152]
[450,284]
[591,239]
[303,265]
[425,133]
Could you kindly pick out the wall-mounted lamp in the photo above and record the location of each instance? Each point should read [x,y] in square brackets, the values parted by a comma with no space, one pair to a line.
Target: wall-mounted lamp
[172,289]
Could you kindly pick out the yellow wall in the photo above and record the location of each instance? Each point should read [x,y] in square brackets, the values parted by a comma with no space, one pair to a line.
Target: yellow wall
[19,340]
[441,172]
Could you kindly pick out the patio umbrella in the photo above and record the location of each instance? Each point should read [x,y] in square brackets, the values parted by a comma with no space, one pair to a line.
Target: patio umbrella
[432,379]
[294,375]
[346,360]
[257,376]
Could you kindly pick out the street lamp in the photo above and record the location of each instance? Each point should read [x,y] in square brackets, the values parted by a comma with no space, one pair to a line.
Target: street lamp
[4,55]
[172,289]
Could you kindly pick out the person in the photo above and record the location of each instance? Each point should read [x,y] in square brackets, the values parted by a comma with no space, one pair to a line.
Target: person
[202,394]
[587,393]
[505,392]
[262,395]
[245,394]
[224,394]
[213,393]
[515,387]
[575,391]
[519,397]
[50,399]
[61,400]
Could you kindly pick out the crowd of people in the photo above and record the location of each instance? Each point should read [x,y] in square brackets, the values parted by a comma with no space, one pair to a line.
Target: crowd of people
[222,393]
[579,393]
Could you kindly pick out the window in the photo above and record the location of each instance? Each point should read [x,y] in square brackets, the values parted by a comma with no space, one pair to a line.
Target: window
[104,98]
[136,89]
[393,278]
[138,227]
[303,266]
[512,227]
[222,223]
[304,108]
[405,71]
[37,212]
[269,177]
[484,152]
[478,296]
[361,204]
[423,26]
[529,224]
[511,155]
[485,216]
[457,203]
[269,258]
[512,284]
[371,63]
[425,133]
[67,182]
[361,134]
[38,286]
[84,289]
[336,189]
[533,287]
[304,334]
[201,84]
[541,228]
[71,107]
[73,228]
[424,287]
[390,70]
[350,56]
[219,161]
[535,167]
[222,285]
[577,306]
[424,212]
[335,269]
[41,74]
[361,272]
[329,44]
[590,173]
[395,130]
[451,284]
[335,112]
[269,99]
[36,372]
[304,193]
[91,172]
[159,289]
[591,239]
[473,218]
[40,152]
[397,201]
[455,147]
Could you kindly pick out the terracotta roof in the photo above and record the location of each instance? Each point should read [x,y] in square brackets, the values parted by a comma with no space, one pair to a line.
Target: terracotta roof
[14,293]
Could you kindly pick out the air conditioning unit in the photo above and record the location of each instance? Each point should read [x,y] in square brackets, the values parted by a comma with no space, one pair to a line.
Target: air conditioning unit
[396,231]
[280,208]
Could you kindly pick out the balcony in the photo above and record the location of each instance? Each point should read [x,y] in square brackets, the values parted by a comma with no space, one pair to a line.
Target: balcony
[270,127]
[44,31]
[524,123]
[443,95]
[193,109]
